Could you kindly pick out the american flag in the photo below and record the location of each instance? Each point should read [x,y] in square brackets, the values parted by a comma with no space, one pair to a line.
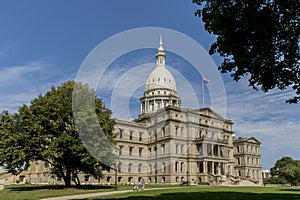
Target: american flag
[205,79]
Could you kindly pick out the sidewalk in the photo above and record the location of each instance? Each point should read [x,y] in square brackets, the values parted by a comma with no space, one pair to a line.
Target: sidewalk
[83,196]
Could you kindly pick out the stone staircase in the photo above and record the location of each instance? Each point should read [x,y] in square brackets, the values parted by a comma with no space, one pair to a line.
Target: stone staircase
[247,183]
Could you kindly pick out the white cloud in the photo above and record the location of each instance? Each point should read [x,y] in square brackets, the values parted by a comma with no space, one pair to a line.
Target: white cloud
[21,83]
[267,117]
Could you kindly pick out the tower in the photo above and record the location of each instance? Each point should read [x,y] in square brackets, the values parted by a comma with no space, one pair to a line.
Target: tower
[160,89]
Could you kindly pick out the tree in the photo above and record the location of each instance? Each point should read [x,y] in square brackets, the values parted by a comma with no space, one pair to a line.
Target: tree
[46,131]
[259,39]
[287,170]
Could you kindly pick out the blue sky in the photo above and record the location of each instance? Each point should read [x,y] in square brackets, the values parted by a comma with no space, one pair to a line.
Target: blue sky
[44,42]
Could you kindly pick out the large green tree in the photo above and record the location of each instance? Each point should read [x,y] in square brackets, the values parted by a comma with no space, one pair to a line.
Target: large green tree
[46,131]
[256,38]
[287,170]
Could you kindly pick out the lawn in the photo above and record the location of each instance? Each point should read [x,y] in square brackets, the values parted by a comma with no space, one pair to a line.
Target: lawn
[222,193]
[34,192]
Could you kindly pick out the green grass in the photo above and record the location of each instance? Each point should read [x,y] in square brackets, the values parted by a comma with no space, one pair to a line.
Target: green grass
[34,192]
[222,193]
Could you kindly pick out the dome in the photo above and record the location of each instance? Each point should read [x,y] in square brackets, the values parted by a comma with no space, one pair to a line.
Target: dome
[160,87]
[161,78]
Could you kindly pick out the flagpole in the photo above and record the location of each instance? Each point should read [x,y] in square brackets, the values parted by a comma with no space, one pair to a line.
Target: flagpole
[202,93]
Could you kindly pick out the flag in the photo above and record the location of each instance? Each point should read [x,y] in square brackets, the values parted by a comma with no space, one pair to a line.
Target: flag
[205,79]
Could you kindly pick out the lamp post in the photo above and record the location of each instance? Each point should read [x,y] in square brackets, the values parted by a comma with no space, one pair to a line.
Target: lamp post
[116,175]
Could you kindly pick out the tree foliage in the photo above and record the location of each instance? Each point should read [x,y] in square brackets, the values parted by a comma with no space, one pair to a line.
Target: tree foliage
[287,170]
[46,131]
[257,38]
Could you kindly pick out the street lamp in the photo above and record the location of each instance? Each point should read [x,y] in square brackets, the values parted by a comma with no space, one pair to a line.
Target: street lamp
[116,175]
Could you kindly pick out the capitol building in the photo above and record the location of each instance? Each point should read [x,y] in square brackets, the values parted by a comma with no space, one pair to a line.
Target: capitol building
[171,144]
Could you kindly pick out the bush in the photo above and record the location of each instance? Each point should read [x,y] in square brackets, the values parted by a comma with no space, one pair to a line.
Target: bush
[203,183]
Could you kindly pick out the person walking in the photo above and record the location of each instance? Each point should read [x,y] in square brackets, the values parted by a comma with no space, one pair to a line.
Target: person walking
[143,184]
[135,185]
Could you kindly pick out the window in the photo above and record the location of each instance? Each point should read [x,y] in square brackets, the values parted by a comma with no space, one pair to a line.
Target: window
[120,150]
[177,148]
[129,167]
[176,166]
[119,167]
[209,149]
[120,133]
[182,149]
[182,166]
[130,151]
[150,168]
[163,132]
[201,169]
[162,149]
[149,152]
[140,168]
[86,178]
[59,178]
[177,132]
[130,135]
[140,136]
[200,149]
[129,179]
[140,152]
[163,167]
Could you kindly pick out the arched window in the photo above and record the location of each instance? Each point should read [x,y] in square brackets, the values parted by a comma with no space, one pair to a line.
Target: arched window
[182,167]
[140,168]
[176,166]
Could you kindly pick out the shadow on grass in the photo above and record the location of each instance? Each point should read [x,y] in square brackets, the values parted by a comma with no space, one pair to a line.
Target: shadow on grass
[211,195]
[291,189]
[56,187]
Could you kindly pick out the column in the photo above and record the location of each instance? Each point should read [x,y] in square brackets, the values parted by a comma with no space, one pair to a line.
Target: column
[204,149]
[204,167]
[213,167]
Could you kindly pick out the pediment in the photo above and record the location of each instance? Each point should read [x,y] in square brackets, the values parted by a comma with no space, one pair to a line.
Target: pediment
[253,140]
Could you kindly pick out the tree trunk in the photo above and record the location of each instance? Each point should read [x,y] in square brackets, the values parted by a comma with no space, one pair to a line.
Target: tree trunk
[78,181]
[67,178]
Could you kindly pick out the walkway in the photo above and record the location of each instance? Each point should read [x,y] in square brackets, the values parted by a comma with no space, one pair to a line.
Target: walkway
[84,196]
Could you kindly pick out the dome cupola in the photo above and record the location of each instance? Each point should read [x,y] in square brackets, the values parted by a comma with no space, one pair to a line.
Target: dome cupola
[160,86]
